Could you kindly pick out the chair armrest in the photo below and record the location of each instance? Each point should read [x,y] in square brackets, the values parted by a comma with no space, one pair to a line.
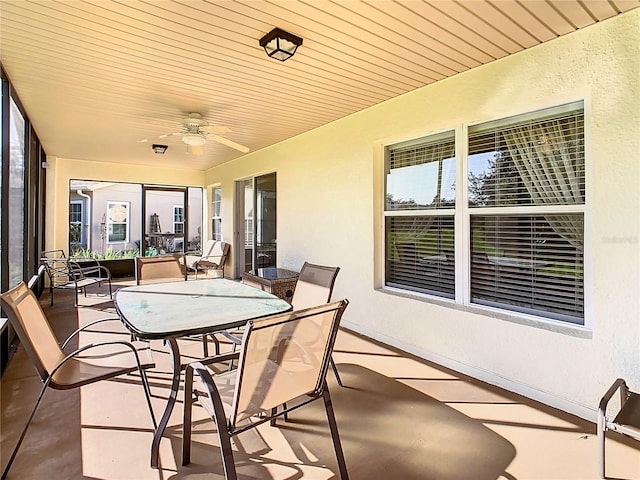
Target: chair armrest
[140,365]
[101,270]
[213,261]
[70,337]
[223,357]
[231,337]
[619,384]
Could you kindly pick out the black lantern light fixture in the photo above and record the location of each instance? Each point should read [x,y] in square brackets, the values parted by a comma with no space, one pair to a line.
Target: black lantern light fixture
[279,44]
[159,149]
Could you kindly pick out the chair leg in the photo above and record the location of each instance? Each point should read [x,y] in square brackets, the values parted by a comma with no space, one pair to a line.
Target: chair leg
[601,438]
[186,416]
[335,371]
[225,444]
[24,430]
[216,343]
[219,417]
[335,436]
[205,346]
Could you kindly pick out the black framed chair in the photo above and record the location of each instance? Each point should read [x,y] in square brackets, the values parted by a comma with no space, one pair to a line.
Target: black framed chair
[64,371]
[283,359]
[67,274]
[626,421]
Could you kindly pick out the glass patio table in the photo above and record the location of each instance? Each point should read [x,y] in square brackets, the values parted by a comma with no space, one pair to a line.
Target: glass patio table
[175,309]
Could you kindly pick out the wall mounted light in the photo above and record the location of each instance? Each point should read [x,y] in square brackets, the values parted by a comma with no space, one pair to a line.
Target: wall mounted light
[279,44]
[159,149]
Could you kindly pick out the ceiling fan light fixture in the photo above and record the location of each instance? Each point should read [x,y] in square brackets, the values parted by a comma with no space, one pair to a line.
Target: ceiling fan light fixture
[194,139]
[279,44]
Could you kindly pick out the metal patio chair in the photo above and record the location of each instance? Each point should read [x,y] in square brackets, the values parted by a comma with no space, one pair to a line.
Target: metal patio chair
[626,421]
[283,358]
[68,274]
[315,286]
[64,371]
[159,269]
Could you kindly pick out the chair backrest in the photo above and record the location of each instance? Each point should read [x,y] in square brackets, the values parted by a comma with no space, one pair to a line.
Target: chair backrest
[32,327]
[58,268]
[314,286]
[159,269]
[53,254]
[283,357]
[207,248]
[220,250]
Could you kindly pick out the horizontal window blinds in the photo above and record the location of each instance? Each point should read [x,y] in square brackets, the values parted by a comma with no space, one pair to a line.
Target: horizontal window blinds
[523,264]
[420,254]
[421,176]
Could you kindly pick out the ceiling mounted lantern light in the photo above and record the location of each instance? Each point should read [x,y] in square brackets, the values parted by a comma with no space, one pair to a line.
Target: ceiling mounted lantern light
[159,149]
[279,44]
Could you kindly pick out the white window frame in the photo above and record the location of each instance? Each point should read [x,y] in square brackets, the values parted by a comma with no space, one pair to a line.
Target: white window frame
[80,223]
[463,214]
[216,213]
[126,222]
[178,212]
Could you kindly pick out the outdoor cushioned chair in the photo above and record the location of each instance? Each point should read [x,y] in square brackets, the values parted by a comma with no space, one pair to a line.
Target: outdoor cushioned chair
[64,371]
[315,286]
[67,274]
[213,257]
[283,358]
[626,421]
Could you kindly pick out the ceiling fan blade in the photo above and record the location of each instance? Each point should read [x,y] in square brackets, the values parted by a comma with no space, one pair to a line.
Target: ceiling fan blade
[229,143]
[217,129]
[197,149]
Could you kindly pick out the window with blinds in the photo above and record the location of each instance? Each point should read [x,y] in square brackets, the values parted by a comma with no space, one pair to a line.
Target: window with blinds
[419,246]
[420,254]
[522,219]
[525,255]
[519,262]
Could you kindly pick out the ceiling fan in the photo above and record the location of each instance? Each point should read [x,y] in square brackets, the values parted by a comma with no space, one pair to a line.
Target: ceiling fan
[194,131]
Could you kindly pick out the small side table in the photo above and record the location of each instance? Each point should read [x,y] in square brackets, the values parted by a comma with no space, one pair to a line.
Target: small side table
[278,281]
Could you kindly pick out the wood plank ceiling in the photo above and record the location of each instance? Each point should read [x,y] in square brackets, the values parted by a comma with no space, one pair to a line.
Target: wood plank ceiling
[96,77]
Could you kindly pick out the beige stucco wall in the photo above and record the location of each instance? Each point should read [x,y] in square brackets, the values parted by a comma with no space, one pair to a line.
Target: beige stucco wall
[329,194]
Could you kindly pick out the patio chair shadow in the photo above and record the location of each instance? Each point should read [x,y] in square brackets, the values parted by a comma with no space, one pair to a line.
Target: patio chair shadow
[388,430]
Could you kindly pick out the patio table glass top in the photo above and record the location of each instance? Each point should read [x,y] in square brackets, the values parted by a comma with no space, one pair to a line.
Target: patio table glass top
[176,309]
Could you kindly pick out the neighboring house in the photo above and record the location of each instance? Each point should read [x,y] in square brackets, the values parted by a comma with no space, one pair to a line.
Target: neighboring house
[108,216]
[332,209]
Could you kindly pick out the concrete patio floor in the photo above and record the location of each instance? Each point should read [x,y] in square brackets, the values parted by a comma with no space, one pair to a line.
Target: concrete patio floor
[399,418]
